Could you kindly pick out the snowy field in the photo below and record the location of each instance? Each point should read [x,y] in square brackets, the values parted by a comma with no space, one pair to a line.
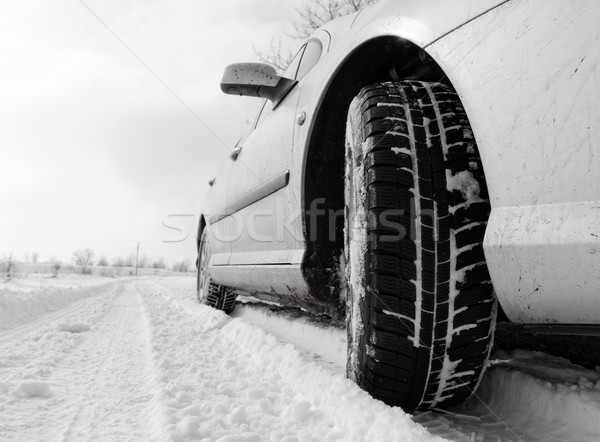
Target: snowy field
[139,359]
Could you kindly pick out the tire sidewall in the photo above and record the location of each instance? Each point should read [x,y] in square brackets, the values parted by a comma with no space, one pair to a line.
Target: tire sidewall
[202,292]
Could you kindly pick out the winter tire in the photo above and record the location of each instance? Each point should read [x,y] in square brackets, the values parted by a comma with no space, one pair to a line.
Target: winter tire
[421,309]
[208,292]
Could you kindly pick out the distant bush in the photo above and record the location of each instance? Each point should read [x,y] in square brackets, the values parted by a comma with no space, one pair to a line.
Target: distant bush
[107,273]
[144,261]
[182,266]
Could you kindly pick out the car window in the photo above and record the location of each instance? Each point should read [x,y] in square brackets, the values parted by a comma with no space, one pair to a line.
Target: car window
[292,69]
[306,57]
[290,72]
[264,111]
[311,56]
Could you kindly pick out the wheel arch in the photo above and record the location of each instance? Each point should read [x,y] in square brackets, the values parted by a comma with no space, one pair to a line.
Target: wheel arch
[383,58]
[201,227]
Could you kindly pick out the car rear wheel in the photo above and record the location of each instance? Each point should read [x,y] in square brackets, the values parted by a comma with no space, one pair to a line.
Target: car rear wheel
[208,292]
[421,309]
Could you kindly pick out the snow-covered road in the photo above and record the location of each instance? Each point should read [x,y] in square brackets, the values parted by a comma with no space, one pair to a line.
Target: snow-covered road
[140,359]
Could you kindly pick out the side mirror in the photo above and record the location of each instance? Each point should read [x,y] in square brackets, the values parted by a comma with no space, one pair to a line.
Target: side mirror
[255,80]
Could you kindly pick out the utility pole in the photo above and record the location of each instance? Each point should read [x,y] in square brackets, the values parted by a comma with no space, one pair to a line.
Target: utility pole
[137,257]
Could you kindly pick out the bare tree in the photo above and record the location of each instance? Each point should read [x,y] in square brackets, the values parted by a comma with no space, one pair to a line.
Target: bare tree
[8,266]
[103,262]
[83,258]
[130,260]
[276,56]
[311,15]
[35,256]
[159,263]
[55,266]
[315,13]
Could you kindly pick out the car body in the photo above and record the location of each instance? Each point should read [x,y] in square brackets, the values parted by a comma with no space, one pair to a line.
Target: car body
[531,91]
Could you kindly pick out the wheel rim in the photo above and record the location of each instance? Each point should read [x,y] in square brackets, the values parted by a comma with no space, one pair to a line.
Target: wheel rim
[203,276]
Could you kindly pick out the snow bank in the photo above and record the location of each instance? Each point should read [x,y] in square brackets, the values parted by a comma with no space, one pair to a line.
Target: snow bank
[357,415]
[35,282]
[234,381]
[315,340]
[18,306]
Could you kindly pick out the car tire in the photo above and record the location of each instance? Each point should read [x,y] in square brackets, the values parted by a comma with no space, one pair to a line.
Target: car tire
[421,309]
[207,291]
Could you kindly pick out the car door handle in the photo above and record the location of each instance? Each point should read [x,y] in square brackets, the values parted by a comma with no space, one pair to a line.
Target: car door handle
[235,153]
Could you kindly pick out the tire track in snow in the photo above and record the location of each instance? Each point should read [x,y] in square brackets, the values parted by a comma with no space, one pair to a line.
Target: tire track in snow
[33,406]
[116,402]
[85,374]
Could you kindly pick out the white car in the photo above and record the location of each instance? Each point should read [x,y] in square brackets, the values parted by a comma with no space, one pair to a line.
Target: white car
[418,164]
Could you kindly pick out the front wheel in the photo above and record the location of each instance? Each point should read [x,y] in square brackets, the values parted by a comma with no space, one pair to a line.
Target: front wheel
[421,309]
[207,291]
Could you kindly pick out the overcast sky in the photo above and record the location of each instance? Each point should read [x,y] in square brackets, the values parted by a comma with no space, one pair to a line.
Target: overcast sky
[95,151]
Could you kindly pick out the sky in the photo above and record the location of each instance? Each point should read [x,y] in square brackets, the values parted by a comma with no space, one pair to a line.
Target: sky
[112,120]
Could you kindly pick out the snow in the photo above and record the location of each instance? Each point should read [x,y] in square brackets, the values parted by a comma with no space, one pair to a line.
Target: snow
[355,228]
[418,283]
[73,328]
[546,389]
[24,299]
[326,343]
[398,315]
[32,389]
[466,184]
[398,150]
[37,281]
[150,363]
[304,399]
[448,372]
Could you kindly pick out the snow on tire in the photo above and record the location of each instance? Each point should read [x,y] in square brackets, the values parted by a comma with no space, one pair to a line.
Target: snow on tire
[421,309]
[207,291]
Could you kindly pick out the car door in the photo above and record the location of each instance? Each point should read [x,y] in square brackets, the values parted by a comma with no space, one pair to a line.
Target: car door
[259,200]
[218,226]
[263,211]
